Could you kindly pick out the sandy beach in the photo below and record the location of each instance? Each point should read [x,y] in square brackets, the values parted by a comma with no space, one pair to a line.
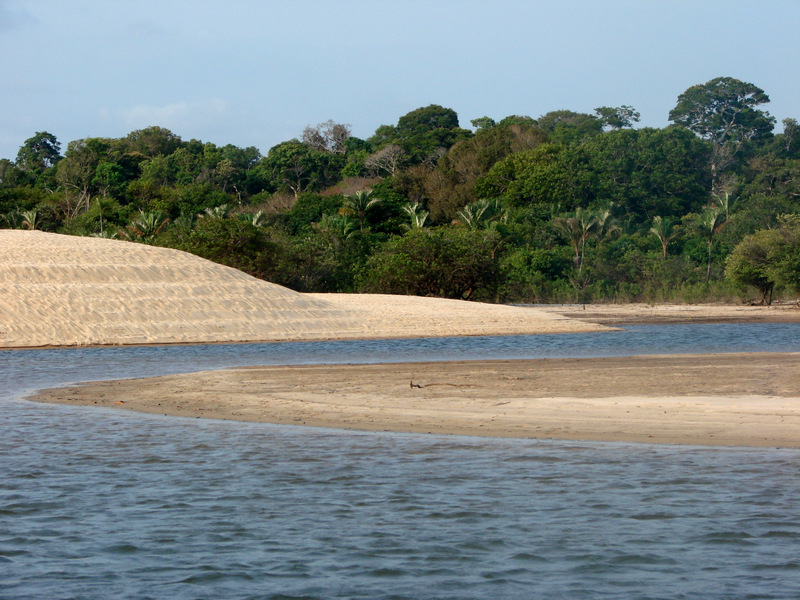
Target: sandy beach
[58,290]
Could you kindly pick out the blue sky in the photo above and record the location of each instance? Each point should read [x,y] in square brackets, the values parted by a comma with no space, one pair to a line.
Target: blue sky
[255,73]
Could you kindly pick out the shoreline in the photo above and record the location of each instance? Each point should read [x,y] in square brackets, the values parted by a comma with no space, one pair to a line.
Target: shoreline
[589,318]
[706,400]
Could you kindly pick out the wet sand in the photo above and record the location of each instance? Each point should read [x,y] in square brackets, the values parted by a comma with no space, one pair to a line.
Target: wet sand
[718,400]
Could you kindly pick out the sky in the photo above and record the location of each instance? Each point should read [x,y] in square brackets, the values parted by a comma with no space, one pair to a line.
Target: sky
[257,72]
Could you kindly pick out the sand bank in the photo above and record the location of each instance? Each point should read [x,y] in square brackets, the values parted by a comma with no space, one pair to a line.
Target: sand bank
[58,290]
[724,399]
[641,313]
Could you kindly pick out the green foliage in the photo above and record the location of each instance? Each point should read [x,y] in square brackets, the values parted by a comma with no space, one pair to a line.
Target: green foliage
[786,255]
[647,172]
[533,274]
[568,127]
[617,117]
[569,207]
[309,208]
[452,184]
[104,217]
[538,176]
[39,152]
[451,262]
[751,262]
[229,241]
[296,167]
[152,141]
[423,134]
[723,110]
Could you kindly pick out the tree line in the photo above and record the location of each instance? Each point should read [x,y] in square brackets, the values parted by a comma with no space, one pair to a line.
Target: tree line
[564,207]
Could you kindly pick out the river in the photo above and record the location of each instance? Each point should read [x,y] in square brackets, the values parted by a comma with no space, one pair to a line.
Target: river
[96,503]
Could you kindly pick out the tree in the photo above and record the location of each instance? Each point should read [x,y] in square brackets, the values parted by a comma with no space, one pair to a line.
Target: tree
[146,226]
[483,123]
[385,161]
[423,133]
[752,260]
[481,214]
[646,171]
[417,214]
[452,262]
[711,223]
[569,127]
[785,267]
[30,219]
[327,137]
[665,230]
[617,117]
[152,141]
[235,243]
[297,167]
[791,137]
[723,111]
[539,176]
[39,152]
[358,205]
[577,228]
[452,184]
[78,169]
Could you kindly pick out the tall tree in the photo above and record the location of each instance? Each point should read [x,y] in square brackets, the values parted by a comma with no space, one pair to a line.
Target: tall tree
[569,127]
[423,133]
[327,137]
[152,141]
[724,111]
[617,117]
[78,169]
[39,152]
[296,167]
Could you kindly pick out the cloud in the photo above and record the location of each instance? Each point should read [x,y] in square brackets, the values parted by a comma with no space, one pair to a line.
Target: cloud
[177,115]
[14,18]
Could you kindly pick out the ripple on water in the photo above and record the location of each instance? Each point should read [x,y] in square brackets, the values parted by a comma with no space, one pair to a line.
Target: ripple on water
[104,504]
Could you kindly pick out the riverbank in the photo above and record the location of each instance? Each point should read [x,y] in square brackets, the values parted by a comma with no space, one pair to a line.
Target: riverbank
[58,290]
[619,315]
[717,400]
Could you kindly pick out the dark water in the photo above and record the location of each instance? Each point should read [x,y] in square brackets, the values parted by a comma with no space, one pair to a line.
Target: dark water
[100,504]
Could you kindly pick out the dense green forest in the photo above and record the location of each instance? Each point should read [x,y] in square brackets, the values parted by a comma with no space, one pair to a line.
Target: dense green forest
[562,208]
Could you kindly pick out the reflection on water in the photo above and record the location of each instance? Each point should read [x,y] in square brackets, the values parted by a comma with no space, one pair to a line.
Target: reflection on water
[100,504]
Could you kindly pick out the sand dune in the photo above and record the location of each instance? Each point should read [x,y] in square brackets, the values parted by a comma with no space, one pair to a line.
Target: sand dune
[58,290]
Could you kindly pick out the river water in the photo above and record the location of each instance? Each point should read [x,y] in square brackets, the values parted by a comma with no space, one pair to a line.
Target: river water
[98,504]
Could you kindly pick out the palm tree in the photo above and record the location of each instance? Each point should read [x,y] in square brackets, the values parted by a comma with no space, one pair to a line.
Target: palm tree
[30,219]
[216,212]
[357,205]
[419,217]
[146,226]
[606,222]
[665,231]
[257,219]
[335,230]
[711,222]
[578,228]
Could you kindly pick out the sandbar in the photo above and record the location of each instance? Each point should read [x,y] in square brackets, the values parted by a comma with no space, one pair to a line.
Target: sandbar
[704,400]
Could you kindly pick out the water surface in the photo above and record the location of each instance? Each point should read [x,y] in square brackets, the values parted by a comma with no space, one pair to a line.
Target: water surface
[103,504]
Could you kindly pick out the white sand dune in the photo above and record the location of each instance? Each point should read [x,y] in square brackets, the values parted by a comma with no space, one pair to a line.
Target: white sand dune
[58,290]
